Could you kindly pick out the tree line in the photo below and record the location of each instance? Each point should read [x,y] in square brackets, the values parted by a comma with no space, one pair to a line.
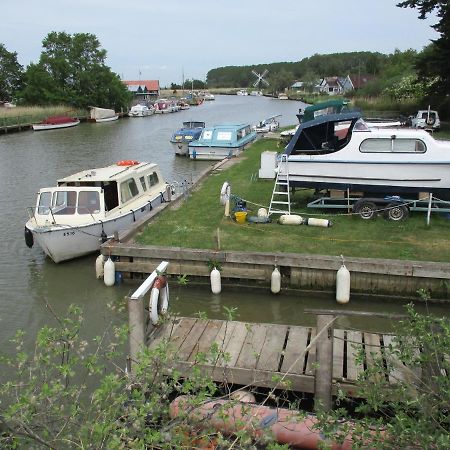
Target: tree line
[72,70]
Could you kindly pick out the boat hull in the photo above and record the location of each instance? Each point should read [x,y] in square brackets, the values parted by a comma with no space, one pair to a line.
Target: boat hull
[181,148]
[215,153]
[42,127]
[63,242]
[107,119]
[381,177]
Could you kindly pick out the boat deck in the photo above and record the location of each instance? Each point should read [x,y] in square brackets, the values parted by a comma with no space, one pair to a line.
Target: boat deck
[262,354]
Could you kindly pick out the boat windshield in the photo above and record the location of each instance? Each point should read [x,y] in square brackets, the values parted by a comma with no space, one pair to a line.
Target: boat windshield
[69,202]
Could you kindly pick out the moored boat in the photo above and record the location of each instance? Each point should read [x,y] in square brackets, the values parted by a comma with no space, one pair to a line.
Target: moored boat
[55,122]
[163,106]
[100,115]
[268,125]
[74,217]
[222,141]
[190,132]
[140,110]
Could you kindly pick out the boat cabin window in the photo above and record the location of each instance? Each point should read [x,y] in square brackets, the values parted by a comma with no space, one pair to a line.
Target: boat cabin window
[88,202]
[392,145]
[128,190]
[144,186]
[224,136]
[44,203]
[64,202]
[207,135]
[153,179]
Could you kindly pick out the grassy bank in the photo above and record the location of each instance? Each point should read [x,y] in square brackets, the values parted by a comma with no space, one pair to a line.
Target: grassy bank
[195,224]
[32,114]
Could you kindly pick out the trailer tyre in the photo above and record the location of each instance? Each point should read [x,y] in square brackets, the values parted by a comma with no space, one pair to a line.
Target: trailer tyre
[396,212]
[366,209]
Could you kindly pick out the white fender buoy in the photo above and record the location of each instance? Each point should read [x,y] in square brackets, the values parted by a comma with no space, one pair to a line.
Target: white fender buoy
[262,212]
[290,219]
[275,281]
[225,193]
[99,266]
[216,285]
[313,222]
[343,285]
[109,275]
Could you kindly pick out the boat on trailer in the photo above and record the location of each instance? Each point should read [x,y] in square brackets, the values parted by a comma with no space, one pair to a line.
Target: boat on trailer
[222,141]
[83,210]
[339,151]
[55,122]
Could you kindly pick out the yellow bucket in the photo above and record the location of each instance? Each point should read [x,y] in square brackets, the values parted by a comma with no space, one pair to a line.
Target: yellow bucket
[241,216]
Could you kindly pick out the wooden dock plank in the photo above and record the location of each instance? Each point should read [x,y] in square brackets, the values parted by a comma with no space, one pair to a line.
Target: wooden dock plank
[338,354]
[188,345]
[372,349]
[253,344]
[311,355]
[354,346]
[394,365]
[177,333]
[273,348]
[294,355]
[235,343]
[206,339]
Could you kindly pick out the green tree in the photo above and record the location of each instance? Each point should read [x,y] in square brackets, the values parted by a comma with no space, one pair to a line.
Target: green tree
[434,63]
[72,70]
[11,73]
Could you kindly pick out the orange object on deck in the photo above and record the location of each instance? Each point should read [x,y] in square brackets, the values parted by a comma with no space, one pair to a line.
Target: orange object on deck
[127,162]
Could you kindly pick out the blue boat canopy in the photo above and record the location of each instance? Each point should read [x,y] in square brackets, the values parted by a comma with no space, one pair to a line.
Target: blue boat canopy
[326,134]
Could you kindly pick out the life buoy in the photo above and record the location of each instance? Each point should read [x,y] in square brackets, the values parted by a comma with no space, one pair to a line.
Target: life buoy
[127,162]
[225,193]
[159,299]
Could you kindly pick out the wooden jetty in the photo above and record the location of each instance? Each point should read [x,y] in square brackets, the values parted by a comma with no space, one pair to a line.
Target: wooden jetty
[319,360]
[270,355]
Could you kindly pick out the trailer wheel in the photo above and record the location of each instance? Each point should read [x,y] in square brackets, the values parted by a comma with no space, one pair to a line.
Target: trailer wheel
[366,209]
[396,212]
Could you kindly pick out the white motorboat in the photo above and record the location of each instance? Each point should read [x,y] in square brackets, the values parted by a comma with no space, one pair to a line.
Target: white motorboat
[140,111]
[83,210]
[54,122]
[100,115]
[268,125]
[339,151]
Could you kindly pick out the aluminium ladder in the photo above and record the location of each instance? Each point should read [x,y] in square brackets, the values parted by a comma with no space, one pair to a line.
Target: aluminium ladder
[280,203]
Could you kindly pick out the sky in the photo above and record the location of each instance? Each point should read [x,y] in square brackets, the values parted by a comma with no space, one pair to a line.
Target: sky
[167,40]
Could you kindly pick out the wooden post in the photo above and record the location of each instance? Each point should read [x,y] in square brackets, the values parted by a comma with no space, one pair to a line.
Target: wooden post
[136,322]
[324,371]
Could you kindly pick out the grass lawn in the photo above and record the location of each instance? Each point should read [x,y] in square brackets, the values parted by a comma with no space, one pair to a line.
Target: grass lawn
[195,224]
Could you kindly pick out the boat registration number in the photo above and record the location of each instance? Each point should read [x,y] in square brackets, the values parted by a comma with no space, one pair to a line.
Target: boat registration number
[69,233]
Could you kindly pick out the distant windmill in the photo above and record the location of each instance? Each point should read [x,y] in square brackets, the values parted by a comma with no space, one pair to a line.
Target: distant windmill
[260,78]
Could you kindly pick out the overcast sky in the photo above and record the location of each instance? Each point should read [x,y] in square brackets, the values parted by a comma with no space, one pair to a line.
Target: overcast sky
[164,38]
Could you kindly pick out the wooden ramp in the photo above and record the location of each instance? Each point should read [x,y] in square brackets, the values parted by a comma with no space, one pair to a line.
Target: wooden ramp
[268,355]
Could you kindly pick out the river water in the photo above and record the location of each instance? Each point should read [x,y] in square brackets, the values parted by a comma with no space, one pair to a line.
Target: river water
[33,288]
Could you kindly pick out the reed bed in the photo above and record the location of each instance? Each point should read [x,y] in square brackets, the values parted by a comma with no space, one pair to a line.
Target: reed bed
[21,115]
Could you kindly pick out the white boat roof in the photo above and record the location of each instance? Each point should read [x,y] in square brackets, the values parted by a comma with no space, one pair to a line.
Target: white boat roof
[109,173]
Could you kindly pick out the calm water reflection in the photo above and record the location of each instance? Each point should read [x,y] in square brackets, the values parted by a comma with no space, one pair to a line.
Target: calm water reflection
[30,283]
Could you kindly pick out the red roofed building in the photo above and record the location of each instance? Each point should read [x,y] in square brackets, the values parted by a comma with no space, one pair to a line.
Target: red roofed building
[143,89]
